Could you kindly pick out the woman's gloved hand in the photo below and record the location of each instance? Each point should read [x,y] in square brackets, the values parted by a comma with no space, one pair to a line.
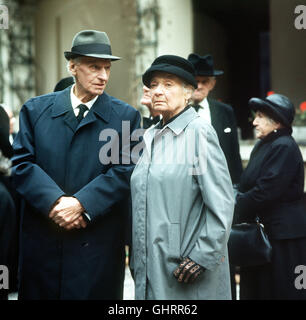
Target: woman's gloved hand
[188,271]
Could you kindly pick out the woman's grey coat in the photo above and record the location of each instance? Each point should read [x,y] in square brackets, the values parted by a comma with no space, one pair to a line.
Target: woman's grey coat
[182,206]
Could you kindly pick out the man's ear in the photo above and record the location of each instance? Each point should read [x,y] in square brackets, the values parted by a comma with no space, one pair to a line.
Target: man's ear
[212,83]
[72,66]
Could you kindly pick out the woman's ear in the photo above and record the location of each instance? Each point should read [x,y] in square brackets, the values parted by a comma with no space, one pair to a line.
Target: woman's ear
[188,92]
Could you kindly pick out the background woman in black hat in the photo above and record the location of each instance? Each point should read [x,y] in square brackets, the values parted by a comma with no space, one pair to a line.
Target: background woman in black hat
[8,228]
[272,187]
[182,201]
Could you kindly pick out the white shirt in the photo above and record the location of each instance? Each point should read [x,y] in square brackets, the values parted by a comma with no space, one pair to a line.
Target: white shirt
[75,102]
[204,110]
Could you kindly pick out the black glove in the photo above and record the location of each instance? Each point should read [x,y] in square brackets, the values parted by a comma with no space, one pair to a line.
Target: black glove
[188,271]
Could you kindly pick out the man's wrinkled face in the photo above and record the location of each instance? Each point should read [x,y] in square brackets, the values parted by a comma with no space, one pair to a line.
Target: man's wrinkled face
[91,74]
[205,85]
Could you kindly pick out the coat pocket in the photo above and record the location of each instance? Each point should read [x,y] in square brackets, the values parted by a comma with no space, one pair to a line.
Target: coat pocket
[174,240]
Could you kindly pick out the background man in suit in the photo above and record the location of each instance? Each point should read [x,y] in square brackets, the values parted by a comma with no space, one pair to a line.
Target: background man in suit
[155,116]
[74,182]
[220,115]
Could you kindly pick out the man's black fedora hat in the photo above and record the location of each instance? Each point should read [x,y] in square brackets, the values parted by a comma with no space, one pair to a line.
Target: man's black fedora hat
[5,145]
[172,64]
[91,43]
[204,65]
[277,106]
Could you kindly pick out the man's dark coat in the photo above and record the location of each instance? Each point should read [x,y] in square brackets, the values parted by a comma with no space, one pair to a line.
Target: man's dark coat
[224,122]
[54,156]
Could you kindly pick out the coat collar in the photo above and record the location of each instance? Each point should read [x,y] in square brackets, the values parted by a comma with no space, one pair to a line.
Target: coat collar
[62,103]
[177,126]
[276,134]
[215,114]
[62,107]
[181,122]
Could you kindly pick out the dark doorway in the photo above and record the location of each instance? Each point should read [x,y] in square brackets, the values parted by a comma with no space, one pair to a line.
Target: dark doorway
[236,33]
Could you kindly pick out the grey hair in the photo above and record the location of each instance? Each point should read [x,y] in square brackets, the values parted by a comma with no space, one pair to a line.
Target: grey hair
[76,60]
[271,120]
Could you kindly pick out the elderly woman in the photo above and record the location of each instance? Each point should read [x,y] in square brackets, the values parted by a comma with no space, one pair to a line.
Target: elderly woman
[182,208]
[272,187]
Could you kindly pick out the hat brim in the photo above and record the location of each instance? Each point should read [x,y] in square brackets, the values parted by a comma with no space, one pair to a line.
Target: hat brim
[70,55]
[265,106]
[209,74]
[167,68]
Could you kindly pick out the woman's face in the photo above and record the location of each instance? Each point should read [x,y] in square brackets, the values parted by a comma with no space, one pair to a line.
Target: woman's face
[169,97]
[264,125]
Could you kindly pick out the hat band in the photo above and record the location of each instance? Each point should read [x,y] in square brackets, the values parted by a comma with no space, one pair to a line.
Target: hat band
[100,48]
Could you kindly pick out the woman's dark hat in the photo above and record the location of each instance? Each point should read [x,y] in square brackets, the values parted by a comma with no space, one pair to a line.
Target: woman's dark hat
[277,106]
[63,84]
[91,43]
[176,65]
[204,66]
[5,145]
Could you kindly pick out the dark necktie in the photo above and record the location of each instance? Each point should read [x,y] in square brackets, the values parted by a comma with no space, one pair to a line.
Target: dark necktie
[148,122]
[196,107]
[83,109]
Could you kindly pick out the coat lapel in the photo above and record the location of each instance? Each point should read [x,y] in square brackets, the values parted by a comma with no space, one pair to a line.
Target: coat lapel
[181,122]
[216,116]
[101,108]
[213,113]
[62,107]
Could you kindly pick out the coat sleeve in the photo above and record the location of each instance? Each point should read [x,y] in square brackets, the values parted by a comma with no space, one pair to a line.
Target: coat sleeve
[277,172]
[216,190]
[107,190]
[29,179]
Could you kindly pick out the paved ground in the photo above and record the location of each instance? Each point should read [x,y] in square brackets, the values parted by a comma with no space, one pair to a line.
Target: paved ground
[128,292]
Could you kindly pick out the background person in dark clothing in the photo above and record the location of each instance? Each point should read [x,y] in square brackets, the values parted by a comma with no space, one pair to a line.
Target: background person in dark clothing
[220,115]
[272,187]
[8,225]
[63,84]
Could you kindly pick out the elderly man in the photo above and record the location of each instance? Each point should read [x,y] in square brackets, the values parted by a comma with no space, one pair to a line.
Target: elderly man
[75,193]
[220,115]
